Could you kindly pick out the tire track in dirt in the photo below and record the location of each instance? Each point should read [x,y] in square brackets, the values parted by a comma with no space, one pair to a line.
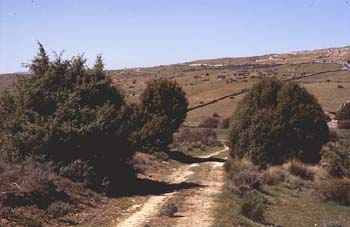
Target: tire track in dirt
[212,186]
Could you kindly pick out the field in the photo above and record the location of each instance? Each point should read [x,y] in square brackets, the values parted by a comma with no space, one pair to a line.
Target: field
[208,80]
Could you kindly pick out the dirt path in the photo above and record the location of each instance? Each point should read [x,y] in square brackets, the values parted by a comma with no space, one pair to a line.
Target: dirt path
[198,205]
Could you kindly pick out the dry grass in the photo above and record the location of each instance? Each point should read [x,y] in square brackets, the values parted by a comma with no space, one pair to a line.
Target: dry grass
[274,175]
[301,170]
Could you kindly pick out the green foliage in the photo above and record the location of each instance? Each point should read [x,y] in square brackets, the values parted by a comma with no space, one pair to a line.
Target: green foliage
[276,122]
[336,158]
[162,110]
[344,112]
[78,170]
[66,111]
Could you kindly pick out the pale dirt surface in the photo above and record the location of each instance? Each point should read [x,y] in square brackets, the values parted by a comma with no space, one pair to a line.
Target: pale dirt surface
[198,206]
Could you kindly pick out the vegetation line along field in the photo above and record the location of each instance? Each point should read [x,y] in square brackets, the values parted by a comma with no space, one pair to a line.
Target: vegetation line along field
[247,89]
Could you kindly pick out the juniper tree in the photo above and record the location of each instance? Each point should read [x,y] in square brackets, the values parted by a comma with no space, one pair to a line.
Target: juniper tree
[275,122]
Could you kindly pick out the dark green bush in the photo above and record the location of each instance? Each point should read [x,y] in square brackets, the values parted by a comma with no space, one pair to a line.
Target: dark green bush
[162,110]
[344,112]
[79,171]
[66,111]
[336,158]
[253,206]
[276,122]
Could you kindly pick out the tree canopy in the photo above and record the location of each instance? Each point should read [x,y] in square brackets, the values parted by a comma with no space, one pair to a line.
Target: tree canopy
[275,122]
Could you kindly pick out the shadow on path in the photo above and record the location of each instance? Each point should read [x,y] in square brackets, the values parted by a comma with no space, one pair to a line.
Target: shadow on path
[153,187]
[187,159]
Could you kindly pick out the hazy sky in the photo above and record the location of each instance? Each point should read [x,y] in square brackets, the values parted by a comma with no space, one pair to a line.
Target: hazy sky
[133,33]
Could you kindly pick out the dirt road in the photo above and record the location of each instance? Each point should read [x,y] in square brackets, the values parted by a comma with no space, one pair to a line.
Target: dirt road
[198,204]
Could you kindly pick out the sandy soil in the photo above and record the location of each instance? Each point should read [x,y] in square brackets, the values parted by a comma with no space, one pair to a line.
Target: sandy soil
[199,204]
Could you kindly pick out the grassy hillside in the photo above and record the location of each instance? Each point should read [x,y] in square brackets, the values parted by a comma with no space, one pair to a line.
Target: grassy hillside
[205,80]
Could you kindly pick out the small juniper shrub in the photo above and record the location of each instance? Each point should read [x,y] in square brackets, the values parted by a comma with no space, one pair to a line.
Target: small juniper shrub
[337,190]
[299,169]
[58,209]
[277,112]
[79,171]
[253,206]
[336,158]
[168,209]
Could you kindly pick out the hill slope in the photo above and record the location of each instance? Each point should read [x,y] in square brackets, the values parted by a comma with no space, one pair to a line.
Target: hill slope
[206,80]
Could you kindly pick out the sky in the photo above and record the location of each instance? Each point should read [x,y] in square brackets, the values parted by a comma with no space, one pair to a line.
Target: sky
[139,33]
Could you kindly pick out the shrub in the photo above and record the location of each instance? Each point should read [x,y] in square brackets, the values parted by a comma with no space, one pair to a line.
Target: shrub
[275,122]
[162,110]
[243,182]
[66,111]
[337,190]
[196,136]
[168,209]
[38,178]
[344,112]
[273,175]
[58,209]
[29,176]
[253,206]
[243,176]
[234,166]
[79,171]
[299,169]
[336,158]
[210,122]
